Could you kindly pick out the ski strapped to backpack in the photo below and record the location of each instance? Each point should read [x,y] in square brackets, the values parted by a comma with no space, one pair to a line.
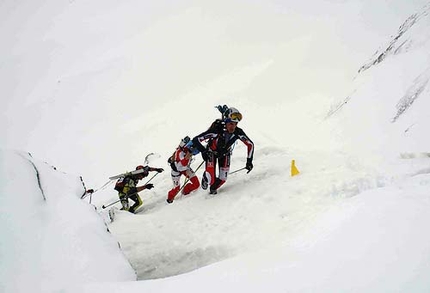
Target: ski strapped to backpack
[135,172]
[222,109]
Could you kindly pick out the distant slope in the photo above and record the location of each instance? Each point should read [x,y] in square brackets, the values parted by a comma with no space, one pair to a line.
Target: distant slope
[391,94]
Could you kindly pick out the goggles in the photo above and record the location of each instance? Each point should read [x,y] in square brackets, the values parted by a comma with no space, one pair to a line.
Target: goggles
[235,117]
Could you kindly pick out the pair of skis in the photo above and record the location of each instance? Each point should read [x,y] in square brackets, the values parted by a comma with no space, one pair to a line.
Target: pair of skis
[135,172]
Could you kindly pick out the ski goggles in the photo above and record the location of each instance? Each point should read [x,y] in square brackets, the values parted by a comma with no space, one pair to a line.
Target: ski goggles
[235,117]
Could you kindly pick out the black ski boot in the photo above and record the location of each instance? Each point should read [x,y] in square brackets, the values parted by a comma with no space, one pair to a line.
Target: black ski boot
[212,191]
[214,187]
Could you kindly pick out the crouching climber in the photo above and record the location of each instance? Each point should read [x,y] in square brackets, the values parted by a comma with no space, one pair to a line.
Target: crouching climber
[180,163]
[127,187]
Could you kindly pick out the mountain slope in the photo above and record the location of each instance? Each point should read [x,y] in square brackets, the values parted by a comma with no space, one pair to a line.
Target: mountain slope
[384,112]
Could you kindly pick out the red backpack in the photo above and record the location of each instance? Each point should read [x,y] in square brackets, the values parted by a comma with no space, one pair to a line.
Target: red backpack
[119,185]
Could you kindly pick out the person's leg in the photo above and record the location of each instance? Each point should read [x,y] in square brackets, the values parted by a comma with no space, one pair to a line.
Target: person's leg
[124,201]
[209,174]
[193,183]
[174,191]
[224,168]
[137,202]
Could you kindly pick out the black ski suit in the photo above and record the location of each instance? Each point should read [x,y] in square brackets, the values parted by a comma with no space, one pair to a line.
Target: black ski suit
[218,149]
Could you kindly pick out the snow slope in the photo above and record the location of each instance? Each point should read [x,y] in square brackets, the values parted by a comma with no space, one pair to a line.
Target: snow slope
[50,238]
[97,94]
[354,146]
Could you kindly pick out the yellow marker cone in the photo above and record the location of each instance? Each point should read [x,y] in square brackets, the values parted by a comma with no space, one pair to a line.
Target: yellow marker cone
[294,170]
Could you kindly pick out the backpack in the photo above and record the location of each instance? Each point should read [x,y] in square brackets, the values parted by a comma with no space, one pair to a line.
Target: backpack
[119,185]
[182,144]
[218,126]
[171,159]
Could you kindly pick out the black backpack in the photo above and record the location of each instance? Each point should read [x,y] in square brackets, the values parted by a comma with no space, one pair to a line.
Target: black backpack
[218,126]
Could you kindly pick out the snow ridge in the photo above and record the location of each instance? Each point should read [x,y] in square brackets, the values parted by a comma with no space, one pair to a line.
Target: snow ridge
[401,42]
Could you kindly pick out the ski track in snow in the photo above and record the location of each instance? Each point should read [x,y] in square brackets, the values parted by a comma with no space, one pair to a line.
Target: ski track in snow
[199,229]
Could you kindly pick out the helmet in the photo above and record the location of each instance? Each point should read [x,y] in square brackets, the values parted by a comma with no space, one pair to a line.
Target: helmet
[191,148]
[184,141]
[232,115]
[145,171]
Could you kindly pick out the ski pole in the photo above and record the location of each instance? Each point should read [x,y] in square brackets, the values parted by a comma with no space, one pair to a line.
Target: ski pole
[94,191]
[111,204]
[237,170]
[151,178]
[188,179]
[105,206]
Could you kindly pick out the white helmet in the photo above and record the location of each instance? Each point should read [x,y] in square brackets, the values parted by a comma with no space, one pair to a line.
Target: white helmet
[232,115]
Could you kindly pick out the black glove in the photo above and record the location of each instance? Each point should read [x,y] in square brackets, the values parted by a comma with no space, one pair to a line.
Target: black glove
[159,170]
[149,186]
[249,165]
